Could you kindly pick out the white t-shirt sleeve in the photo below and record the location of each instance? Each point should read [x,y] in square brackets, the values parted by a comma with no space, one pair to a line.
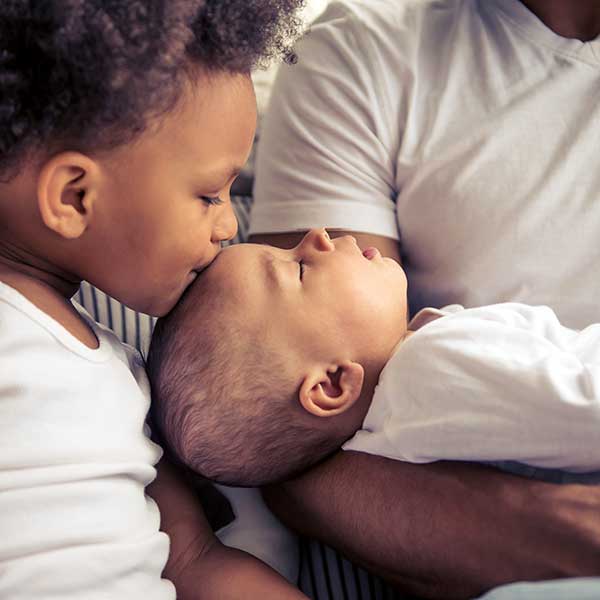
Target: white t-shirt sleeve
[327,152]
[505,382]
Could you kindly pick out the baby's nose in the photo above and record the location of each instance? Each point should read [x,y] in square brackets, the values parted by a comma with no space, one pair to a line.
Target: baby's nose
[349,238]
[319,240]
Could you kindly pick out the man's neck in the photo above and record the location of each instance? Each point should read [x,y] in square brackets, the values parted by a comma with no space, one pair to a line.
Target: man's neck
[575,19]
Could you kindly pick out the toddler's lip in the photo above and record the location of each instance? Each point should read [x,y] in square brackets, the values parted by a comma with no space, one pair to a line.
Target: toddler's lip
[206,261]
[199,268]
[371,252]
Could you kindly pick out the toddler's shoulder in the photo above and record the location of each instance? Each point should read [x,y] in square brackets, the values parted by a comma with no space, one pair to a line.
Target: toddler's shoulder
[33,344]
[124,351]
[20,321]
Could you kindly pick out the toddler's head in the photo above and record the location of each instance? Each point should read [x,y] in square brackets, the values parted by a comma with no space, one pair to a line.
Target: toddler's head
[269,361]
[122,128]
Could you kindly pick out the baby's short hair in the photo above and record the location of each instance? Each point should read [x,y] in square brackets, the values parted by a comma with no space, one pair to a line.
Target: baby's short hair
[222,398]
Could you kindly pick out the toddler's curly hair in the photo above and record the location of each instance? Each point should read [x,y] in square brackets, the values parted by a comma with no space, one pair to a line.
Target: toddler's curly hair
[89,73]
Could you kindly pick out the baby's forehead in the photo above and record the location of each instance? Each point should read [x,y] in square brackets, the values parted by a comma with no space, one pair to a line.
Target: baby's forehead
[243,250]
[239,270]
[238,257]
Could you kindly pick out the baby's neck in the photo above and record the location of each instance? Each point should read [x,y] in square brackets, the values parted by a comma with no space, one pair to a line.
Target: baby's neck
[373,372]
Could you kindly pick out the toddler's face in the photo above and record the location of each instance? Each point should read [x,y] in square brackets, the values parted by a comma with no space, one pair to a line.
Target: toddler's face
[166,205]
[321,296]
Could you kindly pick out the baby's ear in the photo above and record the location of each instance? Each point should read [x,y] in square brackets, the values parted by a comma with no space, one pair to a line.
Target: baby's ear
[329,391]
[66,187]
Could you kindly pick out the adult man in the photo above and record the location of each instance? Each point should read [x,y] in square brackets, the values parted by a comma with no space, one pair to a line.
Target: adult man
[462,136]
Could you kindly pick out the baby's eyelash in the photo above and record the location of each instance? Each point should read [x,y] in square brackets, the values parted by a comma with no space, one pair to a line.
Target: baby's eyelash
[301,265]
[212,200]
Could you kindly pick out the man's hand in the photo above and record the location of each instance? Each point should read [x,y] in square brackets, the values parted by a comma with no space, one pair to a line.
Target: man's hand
[444,530]
[199,566]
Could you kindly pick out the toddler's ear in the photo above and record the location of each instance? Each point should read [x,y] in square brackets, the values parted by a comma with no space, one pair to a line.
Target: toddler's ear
[326,392]
[66,187]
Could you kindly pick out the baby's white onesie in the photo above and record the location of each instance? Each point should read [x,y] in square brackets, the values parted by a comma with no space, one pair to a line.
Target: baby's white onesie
[505,382]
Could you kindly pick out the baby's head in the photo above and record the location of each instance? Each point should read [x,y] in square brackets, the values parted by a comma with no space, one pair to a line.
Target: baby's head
[122,128]
[269,361]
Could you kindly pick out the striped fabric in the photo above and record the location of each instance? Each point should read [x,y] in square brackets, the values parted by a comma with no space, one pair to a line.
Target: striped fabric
[324,574]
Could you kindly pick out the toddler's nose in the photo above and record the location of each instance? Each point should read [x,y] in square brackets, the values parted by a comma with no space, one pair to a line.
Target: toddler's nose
[226,224]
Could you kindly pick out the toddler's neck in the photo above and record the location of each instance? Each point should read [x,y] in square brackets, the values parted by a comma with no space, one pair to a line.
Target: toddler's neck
[50,292]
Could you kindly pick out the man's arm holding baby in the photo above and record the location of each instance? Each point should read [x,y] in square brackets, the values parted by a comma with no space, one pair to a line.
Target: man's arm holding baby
[200,566]
[445,529]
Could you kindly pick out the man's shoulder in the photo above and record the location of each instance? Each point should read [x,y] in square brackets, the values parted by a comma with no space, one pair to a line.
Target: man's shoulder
[384,18]
[396,13]
[387,37]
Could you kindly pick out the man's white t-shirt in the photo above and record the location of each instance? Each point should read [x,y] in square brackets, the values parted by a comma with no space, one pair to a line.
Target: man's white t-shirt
[466,129]
[504,382]
[75,458]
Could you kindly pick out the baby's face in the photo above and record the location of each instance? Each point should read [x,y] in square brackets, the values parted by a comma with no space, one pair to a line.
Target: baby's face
[320,296]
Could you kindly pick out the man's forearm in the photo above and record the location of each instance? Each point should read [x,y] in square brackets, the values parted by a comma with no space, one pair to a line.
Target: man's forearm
[448,530]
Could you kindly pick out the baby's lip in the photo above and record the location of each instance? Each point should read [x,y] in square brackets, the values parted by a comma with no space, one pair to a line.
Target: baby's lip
[371,252]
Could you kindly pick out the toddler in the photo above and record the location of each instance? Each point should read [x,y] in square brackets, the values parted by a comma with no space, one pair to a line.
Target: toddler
[303,346]
[122,128]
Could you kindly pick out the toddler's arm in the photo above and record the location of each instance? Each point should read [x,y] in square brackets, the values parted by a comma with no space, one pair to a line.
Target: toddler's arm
[199,565]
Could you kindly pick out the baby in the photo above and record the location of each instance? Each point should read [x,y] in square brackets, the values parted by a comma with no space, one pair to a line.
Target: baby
[304,346]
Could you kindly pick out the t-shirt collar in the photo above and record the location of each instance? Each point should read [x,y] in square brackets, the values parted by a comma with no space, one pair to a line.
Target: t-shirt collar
[538,32]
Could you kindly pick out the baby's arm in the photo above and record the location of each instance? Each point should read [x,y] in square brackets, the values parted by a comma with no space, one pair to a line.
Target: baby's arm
[199,565]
